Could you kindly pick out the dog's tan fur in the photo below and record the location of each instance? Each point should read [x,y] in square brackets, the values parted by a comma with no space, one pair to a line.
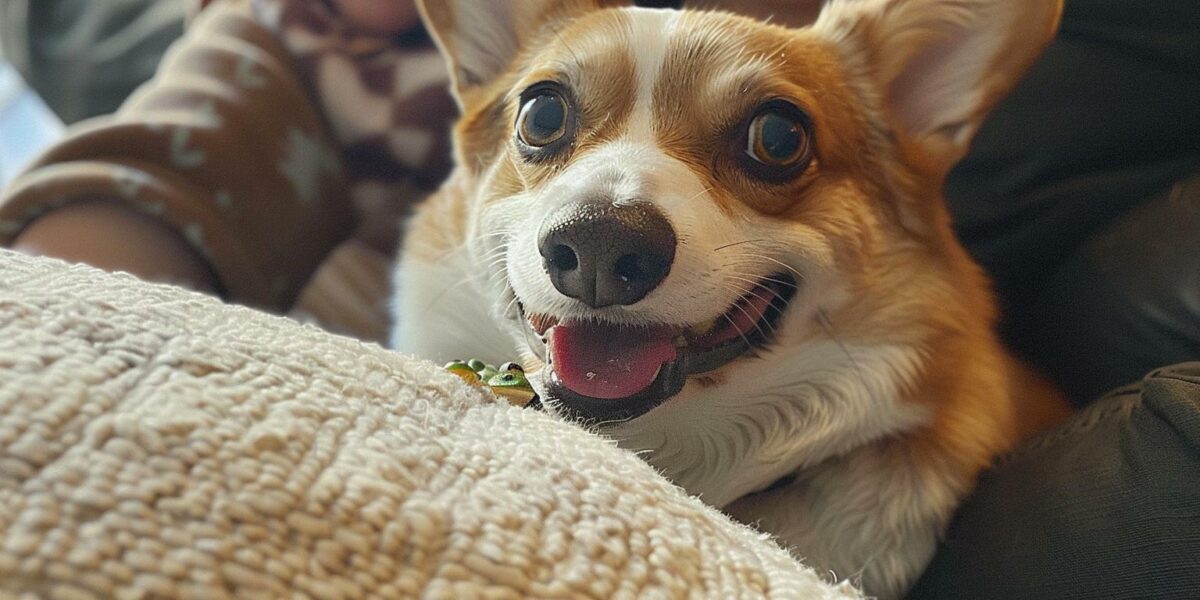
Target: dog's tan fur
[897,392]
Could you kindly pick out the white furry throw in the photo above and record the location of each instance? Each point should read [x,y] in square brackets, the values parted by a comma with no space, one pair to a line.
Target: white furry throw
[155,443]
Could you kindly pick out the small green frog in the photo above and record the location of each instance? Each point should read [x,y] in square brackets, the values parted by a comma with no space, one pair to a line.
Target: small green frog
[508,381]
[463,370]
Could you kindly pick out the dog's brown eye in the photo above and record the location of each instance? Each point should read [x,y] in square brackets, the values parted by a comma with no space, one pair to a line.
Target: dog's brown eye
[777,142]
[777,138]
[543,119]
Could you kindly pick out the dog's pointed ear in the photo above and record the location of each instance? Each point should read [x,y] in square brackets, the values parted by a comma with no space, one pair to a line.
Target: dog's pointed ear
[479,38]
[940,65]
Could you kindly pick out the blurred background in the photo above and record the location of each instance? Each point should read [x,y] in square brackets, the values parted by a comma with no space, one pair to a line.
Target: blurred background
[62,61]
[28,125]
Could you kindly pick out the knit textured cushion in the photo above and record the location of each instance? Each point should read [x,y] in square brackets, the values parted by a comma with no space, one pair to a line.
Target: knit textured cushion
[156,443]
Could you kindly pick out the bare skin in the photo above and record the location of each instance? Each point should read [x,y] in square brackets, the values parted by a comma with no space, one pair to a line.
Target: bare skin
[114,238]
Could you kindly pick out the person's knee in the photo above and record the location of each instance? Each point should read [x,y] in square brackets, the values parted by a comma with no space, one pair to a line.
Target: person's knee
[1106,506]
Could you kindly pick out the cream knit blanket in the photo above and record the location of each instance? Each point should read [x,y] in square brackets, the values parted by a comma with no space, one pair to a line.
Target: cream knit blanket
[155,443]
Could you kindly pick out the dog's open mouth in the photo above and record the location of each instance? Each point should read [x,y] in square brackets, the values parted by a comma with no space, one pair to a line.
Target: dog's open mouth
[603,371]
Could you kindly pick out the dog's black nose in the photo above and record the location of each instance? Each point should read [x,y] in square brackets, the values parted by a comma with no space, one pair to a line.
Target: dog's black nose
[604,254]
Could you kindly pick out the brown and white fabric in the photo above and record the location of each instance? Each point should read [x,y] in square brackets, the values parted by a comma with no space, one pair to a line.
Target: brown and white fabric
[386,98]
[271,133]
[225,146]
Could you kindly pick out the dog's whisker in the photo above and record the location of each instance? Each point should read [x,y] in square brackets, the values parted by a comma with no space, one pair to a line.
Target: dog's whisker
[700,193]
[466,244]
[495,258]
[605,423]
[780,282]
[752,290]
[742,292]
[494,263]
[733,244]
[502,248]
[509,306]
[757,282]
[463,247]
[758,257]
[487,236]
[493,266]
[822,317]
[500,252]
[531,339]
[758,324]
[793,270]
[741,334]
[438,298]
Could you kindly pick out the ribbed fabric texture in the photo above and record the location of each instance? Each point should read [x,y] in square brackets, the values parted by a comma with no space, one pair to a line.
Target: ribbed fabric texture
[157,444]
[1108,507]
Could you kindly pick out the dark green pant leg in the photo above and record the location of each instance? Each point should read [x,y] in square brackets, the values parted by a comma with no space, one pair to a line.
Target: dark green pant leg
[1107,507]
[1127,301]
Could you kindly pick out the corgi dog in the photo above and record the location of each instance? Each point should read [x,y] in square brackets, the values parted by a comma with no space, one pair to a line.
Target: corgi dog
[722,243]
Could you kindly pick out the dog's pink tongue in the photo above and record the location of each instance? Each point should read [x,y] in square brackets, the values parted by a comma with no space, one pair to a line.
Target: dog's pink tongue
[609,361]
